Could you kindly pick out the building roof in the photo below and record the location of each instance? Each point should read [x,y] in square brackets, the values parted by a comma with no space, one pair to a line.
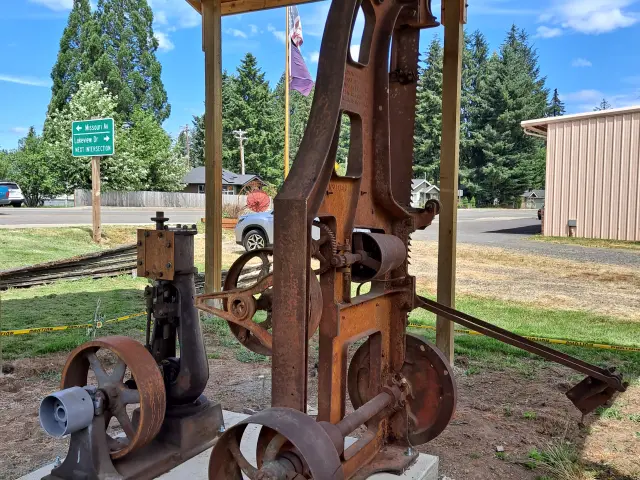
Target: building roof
[196,176]
[418,182]
[538,127]
[533,194]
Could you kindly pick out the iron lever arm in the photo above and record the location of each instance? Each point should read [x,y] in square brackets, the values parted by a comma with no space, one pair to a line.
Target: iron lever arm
[614,380]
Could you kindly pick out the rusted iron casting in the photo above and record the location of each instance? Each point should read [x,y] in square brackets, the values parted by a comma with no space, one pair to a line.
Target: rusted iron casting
[148,391]
[402,388]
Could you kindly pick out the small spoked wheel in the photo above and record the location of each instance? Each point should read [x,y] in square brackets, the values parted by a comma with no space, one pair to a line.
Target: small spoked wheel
[124,371]
[248,270]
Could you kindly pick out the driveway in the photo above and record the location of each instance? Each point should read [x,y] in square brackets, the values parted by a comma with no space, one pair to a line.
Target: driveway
[512,230]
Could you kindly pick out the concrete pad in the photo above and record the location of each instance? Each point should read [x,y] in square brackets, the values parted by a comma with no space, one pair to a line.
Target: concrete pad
[426,467]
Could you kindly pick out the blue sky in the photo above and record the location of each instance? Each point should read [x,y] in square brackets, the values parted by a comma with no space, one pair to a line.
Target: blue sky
[587,49]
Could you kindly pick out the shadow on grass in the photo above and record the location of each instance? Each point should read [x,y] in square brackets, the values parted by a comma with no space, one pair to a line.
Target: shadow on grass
[68,308]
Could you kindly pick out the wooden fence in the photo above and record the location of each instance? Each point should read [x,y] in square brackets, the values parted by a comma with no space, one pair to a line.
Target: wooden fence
[152,199]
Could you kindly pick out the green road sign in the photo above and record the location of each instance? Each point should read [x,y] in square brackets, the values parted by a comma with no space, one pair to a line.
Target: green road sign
[93,138]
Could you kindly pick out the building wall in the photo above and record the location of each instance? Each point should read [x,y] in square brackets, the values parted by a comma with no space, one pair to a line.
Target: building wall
[593,177]
[191,188]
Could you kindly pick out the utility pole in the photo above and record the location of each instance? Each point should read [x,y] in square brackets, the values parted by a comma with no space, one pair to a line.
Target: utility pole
[240,135]
[186,139]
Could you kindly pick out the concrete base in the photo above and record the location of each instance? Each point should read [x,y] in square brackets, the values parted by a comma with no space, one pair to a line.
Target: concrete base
[426,468]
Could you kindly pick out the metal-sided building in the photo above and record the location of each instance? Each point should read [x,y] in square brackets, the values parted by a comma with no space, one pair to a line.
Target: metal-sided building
[593,173]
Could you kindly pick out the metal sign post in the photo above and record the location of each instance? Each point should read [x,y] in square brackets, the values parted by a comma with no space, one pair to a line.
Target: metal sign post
[96,139]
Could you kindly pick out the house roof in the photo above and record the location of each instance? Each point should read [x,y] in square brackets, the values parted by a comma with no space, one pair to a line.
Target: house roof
[197,176]
[418,182]
[539,125]
[533,194]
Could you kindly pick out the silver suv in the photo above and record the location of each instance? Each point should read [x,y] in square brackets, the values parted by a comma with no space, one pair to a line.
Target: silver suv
[255,230]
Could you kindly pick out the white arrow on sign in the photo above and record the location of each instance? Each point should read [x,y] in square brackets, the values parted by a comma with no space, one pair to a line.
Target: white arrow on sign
[78,128]
[106,139]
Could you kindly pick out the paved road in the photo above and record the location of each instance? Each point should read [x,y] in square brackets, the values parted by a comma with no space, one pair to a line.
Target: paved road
[512,229]
[499,228]
[56,217]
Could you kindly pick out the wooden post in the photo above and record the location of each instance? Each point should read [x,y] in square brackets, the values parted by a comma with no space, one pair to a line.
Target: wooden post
[287,68]
[95,199]
[212,46]
[453,14]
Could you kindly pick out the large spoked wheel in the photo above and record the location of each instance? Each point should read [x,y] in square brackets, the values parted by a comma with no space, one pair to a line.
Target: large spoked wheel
[250,269]
[127,373]
[432,401]
[291,446]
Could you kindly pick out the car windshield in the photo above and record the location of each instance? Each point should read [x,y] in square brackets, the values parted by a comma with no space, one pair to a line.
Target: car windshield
[11,186]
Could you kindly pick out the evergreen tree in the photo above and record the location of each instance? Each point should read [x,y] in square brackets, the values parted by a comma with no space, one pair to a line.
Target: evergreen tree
[180,146]
[127,63]
[75,54]
[475,64]
[251,107]
[299,108]
[428,127]
[556,107]
[604,105]
[196,140]
[512,91]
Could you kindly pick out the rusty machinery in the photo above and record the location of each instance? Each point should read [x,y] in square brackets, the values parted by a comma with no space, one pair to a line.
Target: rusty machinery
[401,387]
[147,391]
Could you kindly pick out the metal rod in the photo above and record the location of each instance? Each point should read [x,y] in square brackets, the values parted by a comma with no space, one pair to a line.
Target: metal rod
[519,342]
[365,413]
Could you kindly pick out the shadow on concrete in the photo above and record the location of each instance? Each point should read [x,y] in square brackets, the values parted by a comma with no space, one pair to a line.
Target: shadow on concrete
[524,230]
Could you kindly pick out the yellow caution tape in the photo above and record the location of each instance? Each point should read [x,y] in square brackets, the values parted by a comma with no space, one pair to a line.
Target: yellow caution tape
[556,341]
[30,331]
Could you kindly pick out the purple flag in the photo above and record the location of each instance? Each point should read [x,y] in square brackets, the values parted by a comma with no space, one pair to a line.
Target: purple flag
[300,77]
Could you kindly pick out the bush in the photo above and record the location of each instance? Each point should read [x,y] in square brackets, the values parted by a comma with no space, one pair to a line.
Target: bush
[233,210]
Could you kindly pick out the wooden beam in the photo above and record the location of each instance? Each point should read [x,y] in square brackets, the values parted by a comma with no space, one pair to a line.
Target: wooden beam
[212,45]
[196,4]
[453,14]
[232,7]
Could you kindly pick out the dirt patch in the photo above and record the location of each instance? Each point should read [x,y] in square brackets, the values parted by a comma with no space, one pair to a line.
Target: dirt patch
[537,280]
[495,409]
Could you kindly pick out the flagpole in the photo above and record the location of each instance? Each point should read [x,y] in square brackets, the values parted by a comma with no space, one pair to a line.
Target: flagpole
[287,69]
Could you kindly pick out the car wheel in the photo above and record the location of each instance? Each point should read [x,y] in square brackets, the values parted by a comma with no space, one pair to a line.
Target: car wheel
[16,204]
[253,240]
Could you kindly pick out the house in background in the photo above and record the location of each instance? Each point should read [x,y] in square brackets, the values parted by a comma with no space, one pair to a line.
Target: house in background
[421,191]
[232,184]
[532,199]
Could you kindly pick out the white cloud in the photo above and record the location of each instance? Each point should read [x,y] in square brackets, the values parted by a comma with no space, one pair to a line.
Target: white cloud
[55,4]
[314,56]
[19,130]
[177,13]
[279,34]
[31,81]
[355,52]
[160,17]
[581,62]
[164,42]
[235,32]
[585,100]
[254,29]
[546,32]
[591,17]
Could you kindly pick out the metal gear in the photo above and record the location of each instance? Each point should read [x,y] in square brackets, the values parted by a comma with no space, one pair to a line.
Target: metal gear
[324,248]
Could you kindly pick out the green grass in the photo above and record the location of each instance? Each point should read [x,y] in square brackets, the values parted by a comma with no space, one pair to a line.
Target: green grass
[68,303]
[527,320]
[589,242]
[29,246]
